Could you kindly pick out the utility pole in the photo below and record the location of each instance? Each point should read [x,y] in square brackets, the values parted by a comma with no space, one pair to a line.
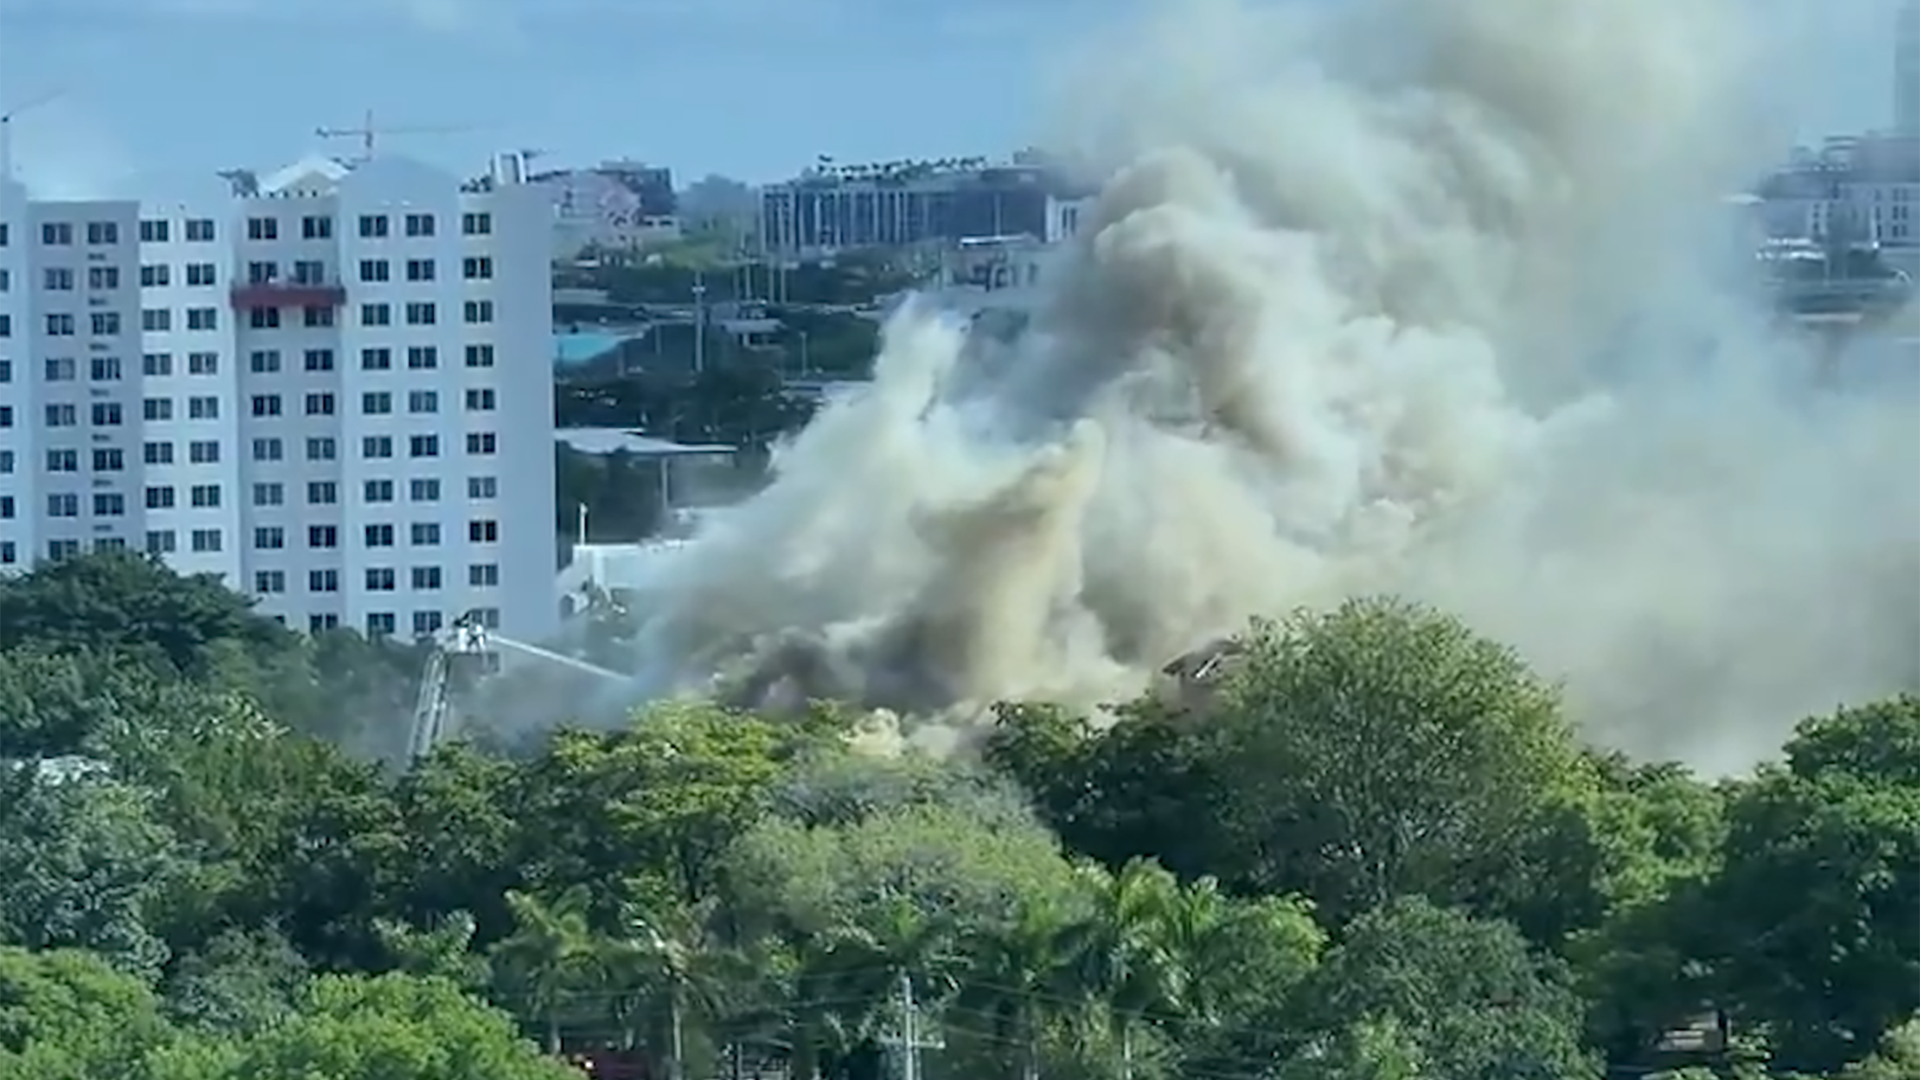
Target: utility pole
[909,1030]
[699,321]
[367,131]
[6,129]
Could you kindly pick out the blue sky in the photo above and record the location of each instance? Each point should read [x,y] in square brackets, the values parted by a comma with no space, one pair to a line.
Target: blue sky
[749,88]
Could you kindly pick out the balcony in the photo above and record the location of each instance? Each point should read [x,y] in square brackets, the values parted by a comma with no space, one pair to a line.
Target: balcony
[288,294]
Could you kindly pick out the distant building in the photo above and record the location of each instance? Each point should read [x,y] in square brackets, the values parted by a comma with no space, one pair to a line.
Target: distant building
[901,204]
[327,385]
[618,205]
[1863,190]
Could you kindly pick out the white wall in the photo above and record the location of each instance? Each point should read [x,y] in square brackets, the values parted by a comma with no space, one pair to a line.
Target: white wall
[309,431]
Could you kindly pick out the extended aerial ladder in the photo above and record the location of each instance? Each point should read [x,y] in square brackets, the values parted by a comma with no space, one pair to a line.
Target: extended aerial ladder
[466,637]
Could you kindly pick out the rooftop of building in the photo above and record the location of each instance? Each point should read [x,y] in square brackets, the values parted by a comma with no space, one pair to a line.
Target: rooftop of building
[621,440]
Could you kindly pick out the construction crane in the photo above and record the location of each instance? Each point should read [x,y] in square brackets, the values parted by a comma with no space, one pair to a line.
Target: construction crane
[367,131]
[6,128]
[465,637]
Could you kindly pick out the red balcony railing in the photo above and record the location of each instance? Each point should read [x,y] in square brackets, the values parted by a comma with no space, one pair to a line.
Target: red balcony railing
[288,294]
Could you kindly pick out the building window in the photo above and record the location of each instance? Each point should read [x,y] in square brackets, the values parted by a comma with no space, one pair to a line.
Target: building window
[376,447]
[424,533]
[423,490]
[423,401]
[270,581]
[323,536]
[476,224]
[319,359]
[478,311]
[156,320]
[423,446]
[477,268]
[203,363]
[269,449]
[159,498]
[316,227]
[378,535]
[376,359]
[380,579]
[483,531]
[373,226]
[480,399]
[422,358]
[203,407]
[58,369]
[322,492]
[425,622]
[378,491]
[376,315]
[103,233]
[320,405]
[264,361]
[376,403]
[206,540]
[419,225]
[263,318]
[105,368]
[315,317]
[203,452]
[56,234]
[269,538]
[204,496]
[156,276]
[156,409]
[157,364]
[379,624]
[483,487]
[420,270]
[420,313]
[105,323]
[201,275]
[266,404]
[373,271]
[482,442]
[322,448]
[154,231]
[200,230]
[269,494]
[206,318]
[161,542]
[263,228]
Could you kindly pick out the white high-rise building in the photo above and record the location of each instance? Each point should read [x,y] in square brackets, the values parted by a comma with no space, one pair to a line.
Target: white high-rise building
[330,386]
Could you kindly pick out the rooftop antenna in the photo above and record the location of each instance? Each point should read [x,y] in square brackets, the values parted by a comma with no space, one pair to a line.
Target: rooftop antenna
[367,131]
[6,128]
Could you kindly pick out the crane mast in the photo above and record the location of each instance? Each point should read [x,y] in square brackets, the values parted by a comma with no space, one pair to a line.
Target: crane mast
[432,710]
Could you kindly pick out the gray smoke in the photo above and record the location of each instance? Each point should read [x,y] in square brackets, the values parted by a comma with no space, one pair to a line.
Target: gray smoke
[1383,296]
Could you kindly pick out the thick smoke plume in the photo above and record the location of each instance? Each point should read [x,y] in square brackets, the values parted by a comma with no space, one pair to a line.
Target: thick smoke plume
[1381,296]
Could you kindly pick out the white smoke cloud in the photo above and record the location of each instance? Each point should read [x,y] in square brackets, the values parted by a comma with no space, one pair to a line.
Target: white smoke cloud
[1393,295]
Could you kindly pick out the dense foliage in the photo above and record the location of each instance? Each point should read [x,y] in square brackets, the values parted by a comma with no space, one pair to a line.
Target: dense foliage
[1373,850]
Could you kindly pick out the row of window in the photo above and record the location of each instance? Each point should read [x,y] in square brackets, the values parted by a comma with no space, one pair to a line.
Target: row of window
[372,271]
[269,360]
[381,623]
[416,313]
[321,227]
[425,489]
[106,323]
[325,448]
[204,231]
[372,403]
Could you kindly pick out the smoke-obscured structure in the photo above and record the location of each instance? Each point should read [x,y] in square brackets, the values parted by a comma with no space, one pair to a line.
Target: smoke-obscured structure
[1384,296]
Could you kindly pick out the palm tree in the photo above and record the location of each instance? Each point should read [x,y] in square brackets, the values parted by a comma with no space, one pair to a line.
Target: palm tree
[1015,973]
[551,954]
[848,983]
[664,962]
[1125,954]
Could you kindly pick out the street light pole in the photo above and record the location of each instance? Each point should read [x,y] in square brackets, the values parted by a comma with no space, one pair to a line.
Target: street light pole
[699,321]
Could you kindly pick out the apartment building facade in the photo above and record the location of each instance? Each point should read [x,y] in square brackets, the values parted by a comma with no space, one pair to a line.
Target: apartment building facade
[329,387]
